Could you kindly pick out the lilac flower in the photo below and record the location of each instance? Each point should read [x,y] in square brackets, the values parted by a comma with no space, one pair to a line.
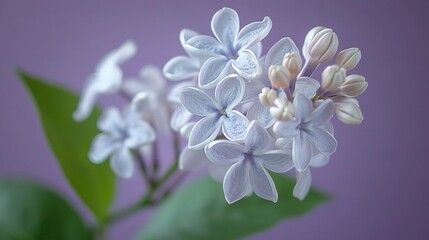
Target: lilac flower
[180,116]
[106,79]
[231,48]
[307,130]
[248,164]
[121,135]
[217,113]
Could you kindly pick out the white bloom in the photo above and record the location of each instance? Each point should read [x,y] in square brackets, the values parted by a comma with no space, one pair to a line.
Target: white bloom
[217,113]
[307,130]
[248,164]
[120,135]
[107,79]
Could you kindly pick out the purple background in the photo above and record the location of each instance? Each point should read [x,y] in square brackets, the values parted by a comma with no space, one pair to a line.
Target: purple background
[378,176]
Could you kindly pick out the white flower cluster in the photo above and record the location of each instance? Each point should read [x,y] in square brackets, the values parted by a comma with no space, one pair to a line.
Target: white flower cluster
[242,113]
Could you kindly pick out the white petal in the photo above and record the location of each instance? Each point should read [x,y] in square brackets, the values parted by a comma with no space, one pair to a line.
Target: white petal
[247,65]
[284,143]
[102,146]
[278,161]
[306,86]
[192,160]
[234,126]
[260,113]
[141,133]
[253,33]
[319,160]
[257,50]
[252,90]
[203,47]
[180,67]
[111,121]
[217,172]
[287,129]
[229,92]
[303,107]
[141,102]
[86,103]
[124,52]
[133,86]
[323,140]
[225,25]
[204,132]
[197,102]
[301,151]
[262,183]
[185,131]
[122,163]
[278,50]
[152,76]
[303,184]
[185,35]
[236,182]
[224,152]
[322,114]
[257,138]
[180,117]
[212,71]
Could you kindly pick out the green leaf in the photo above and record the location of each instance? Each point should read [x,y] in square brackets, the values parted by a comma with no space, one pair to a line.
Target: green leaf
[199,211]
[70,141]
[30,211]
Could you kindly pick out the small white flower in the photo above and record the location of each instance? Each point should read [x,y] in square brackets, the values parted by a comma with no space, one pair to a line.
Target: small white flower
[307,130]
[120,135]
[217,113]
[107,79]
[248,164]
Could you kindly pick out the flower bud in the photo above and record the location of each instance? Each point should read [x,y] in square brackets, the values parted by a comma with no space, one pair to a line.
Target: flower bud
[354,86]
[310,35]
[323,46]
[348,58]
[267,96]
[283,110]
[349,112]
[332,77]
[293,63]
[279,76]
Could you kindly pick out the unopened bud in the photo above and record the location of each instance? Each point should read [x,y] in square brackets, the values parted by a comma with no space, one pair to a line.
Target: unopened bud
[279,76]
[354,86]
[282,110]
[323,46]
[332,77]
[292,61]
[349,112]
[348,58]
[310,35]
[267,96]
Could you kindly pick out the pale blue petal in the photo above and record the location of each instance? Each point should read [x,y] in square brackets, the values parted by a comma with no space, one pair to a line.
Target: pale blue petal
[180,68]
[236,182]
[197,102]
[141,133]
[213,70]
[257,50]
[303,184]
[322,114]
[301,151]
[257,138]
[247,65]
[186,34]
[224,152]
[260,113]
[306,86]
[252,90]
[234,126]
[278,50]
[288,129]
[229,92]
[122,163]
[203,47]
[323,140]
[262,183]
[217,172]
[204,132]
[275,160]
[180,117]
[253,33]
[225,26]
[284,143]
[192,160]
[319,160]
[303,107]
[111,122]
[103,146]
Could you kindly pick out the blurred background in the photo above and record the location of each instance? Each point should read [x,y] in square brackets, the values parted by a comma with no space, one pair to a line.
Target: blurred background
[378,177]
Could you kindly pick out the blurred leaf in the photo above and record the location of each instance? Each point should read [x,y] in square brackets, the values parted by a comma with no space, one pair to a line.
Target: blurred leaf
[29,211]
[199,211]
[70,141]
